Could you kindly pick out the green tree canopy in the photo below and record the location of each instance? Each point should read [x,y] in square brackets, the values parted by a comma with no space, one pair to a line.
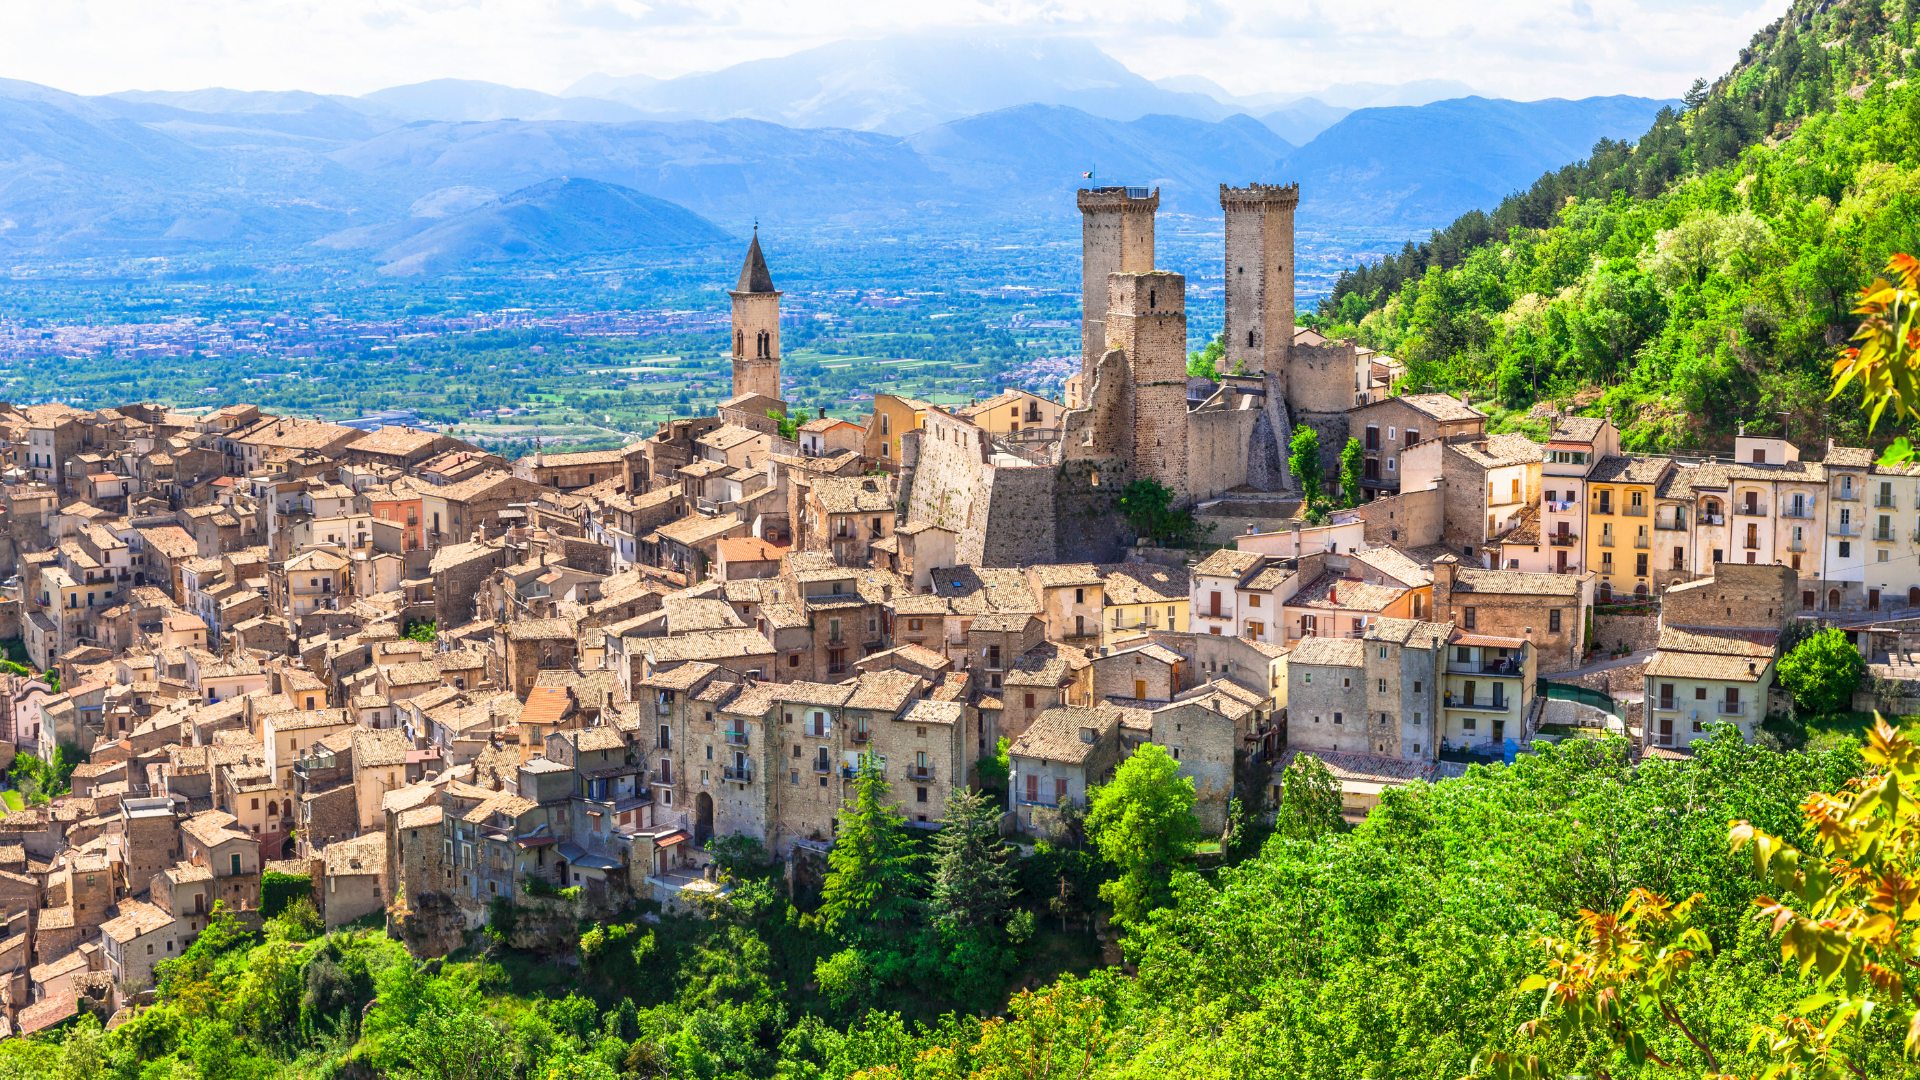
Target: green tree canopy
[1143,823]
[1352,463]
[1822,672]
[1303,461]
[1309,799]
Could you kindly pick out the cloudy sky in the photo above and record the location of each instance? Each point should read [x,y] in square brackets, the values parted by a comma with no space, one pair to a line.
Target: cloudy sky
[1522,49]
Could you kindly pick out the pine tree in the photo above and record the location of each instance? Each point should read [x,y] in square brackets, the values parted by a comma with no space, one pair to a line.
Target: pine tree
[972,885]
[871,879]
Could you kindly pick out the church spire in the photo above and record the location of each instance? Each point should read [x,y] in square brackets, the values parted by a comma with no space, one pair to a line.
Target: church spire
[754,277]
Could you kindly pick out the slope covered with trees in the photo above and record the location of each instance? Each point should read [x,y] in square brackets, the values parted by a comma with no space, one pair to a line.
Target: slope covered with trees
[1697,278]
[1393,950]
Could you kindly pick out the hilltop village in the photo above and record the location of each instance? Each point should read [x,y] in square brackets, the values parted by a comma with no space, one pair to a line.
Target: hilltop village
[423,681]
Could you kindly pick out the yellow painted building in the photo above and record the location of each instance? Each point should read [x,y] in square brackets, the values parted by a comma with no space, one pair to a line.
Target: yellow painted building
[1144,596]
[892,416]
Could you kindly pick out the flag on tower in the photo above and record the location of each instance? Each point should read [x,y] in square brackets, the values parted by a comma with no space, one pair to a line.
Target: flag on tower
[1088,174]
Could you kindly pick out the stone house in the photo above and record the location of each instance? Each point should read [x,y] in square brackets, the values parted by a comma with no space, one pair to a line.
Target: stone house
[1548,610]
[1141,596]
[1072,601]
[1491,682]
[1391,425]
[1063,754]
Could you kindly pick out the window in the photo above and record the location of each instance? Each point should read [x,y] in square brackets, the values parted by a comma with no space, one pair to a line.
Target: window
[1666,696]
[1336,718]
[1846,550]
[1383,685]
[1467,619]
[919,794]
[1553,621]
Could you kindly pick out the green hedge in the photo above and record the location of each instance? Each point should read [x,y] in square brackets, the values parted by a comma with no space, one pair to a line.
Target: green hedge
[277,890]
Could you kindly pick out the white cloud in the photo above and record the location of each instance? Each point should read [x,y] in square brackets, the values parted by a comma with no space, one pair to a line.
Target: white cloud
[1512,48]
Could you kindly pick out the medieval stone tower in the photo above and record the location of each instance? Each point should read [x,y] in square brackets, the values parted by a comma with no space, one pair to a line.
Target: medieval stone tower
[756,328]
[1147,320]
[1116,236]
[1259,270]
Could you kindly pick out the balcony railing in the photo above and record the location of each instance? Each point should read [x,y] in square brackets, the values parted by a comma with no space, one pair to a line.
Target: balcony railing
[824,767]
[739,774]
[737,738]
[1671,526]
[1481,704]
[1751,543]
[1732,708]
[1750,511]
[921,773]
[1603,508]
[1885,536]
[1713,519]
[1606,540]
[1640,542]
[1484,667]
[1884,502]
[1562,539]
[1635,511]
[861,735]
[1796,545]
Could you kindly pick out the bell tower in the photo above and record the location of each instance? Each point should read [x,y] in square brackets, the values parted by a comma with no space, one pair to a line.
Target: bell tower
[756,327]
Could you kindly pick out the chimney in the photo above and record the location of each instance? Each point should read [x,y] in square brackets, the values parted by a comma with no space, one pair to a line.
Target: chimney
[1743,428]
[823,412]
[1297,525]
[1333,594]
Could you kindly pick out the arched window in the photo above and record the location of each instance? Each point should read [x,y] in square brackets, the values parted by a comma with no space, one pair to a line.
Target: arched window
[1640,592]
[1249,339]
[739,343]
[273,809]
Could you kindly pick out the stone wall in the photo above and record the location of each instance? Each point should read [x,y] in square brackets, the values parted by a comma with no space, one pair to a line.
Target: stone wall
[947,480]
[1259,274]
[1737,595]
[1087,523]
[1409,519]
[1220,443]
[1204,742]
[1636,631]
[1147,320]
[1017,528]
[1320,379]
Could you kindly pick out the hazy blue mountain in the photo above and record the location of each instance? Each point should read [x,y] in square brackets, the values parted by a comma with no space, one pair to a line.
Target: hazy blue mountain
[908,83]
[1300,121]
[553,220]
[1431,163]
[1038,152]
[467,99]
[731,170]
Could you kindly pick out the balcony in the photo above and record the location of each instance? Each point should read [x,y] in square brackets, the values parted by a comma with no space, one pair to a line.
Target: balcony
[738,774]
[1033,800]
[1804,513]
[1606,539]
[824,767]
[837,669]
[1845,528]
[920,773]
[1563,539]
[1884,536]
[1731,708]
[1640,542]
[1671,526]
[1712,519]
[1484,667]
[737,738]
[1604,509]
[1635,511]
[1796,545]
[1884,502]
[862,735]
[1478,704]
[1751,543]
[1750,511]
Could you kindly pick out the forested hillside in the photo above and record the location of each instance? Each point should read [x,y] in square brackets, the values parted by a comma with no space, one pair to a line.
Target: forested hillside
[1693,280]
[1395,950]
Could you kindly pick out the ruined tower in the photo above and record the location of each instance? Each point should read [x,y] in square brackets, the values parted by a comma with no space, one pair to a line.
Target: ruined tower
[1147,320]
[1259,270]
[756,327]
[1116,236]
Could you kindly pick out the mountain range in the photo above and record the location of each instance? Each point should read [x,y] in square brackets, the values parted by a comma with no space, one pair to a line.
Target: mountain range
[895,132]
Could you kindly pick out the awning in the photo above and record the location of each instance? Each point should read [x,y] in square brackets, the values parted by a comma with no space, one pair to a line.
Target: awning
[675,837]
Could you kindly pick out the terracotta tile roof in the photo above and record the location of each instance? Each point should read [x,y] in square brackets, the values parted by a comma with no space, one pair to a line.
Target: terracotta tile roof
[1056,575]
[1329,652]
[1515,583]
[1145,583]
[546,705]
[1056,734]
[1443,407]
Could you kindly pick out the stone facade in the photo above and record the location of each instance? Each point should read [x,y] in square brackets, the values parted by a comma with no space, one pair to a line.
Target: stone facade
[1259,278]
[756,328]
[1754,597]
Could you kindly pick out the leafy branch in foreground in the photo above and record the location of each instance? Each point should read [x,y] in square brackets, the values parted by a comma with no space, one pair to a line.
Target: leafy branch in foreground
[1886,362]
